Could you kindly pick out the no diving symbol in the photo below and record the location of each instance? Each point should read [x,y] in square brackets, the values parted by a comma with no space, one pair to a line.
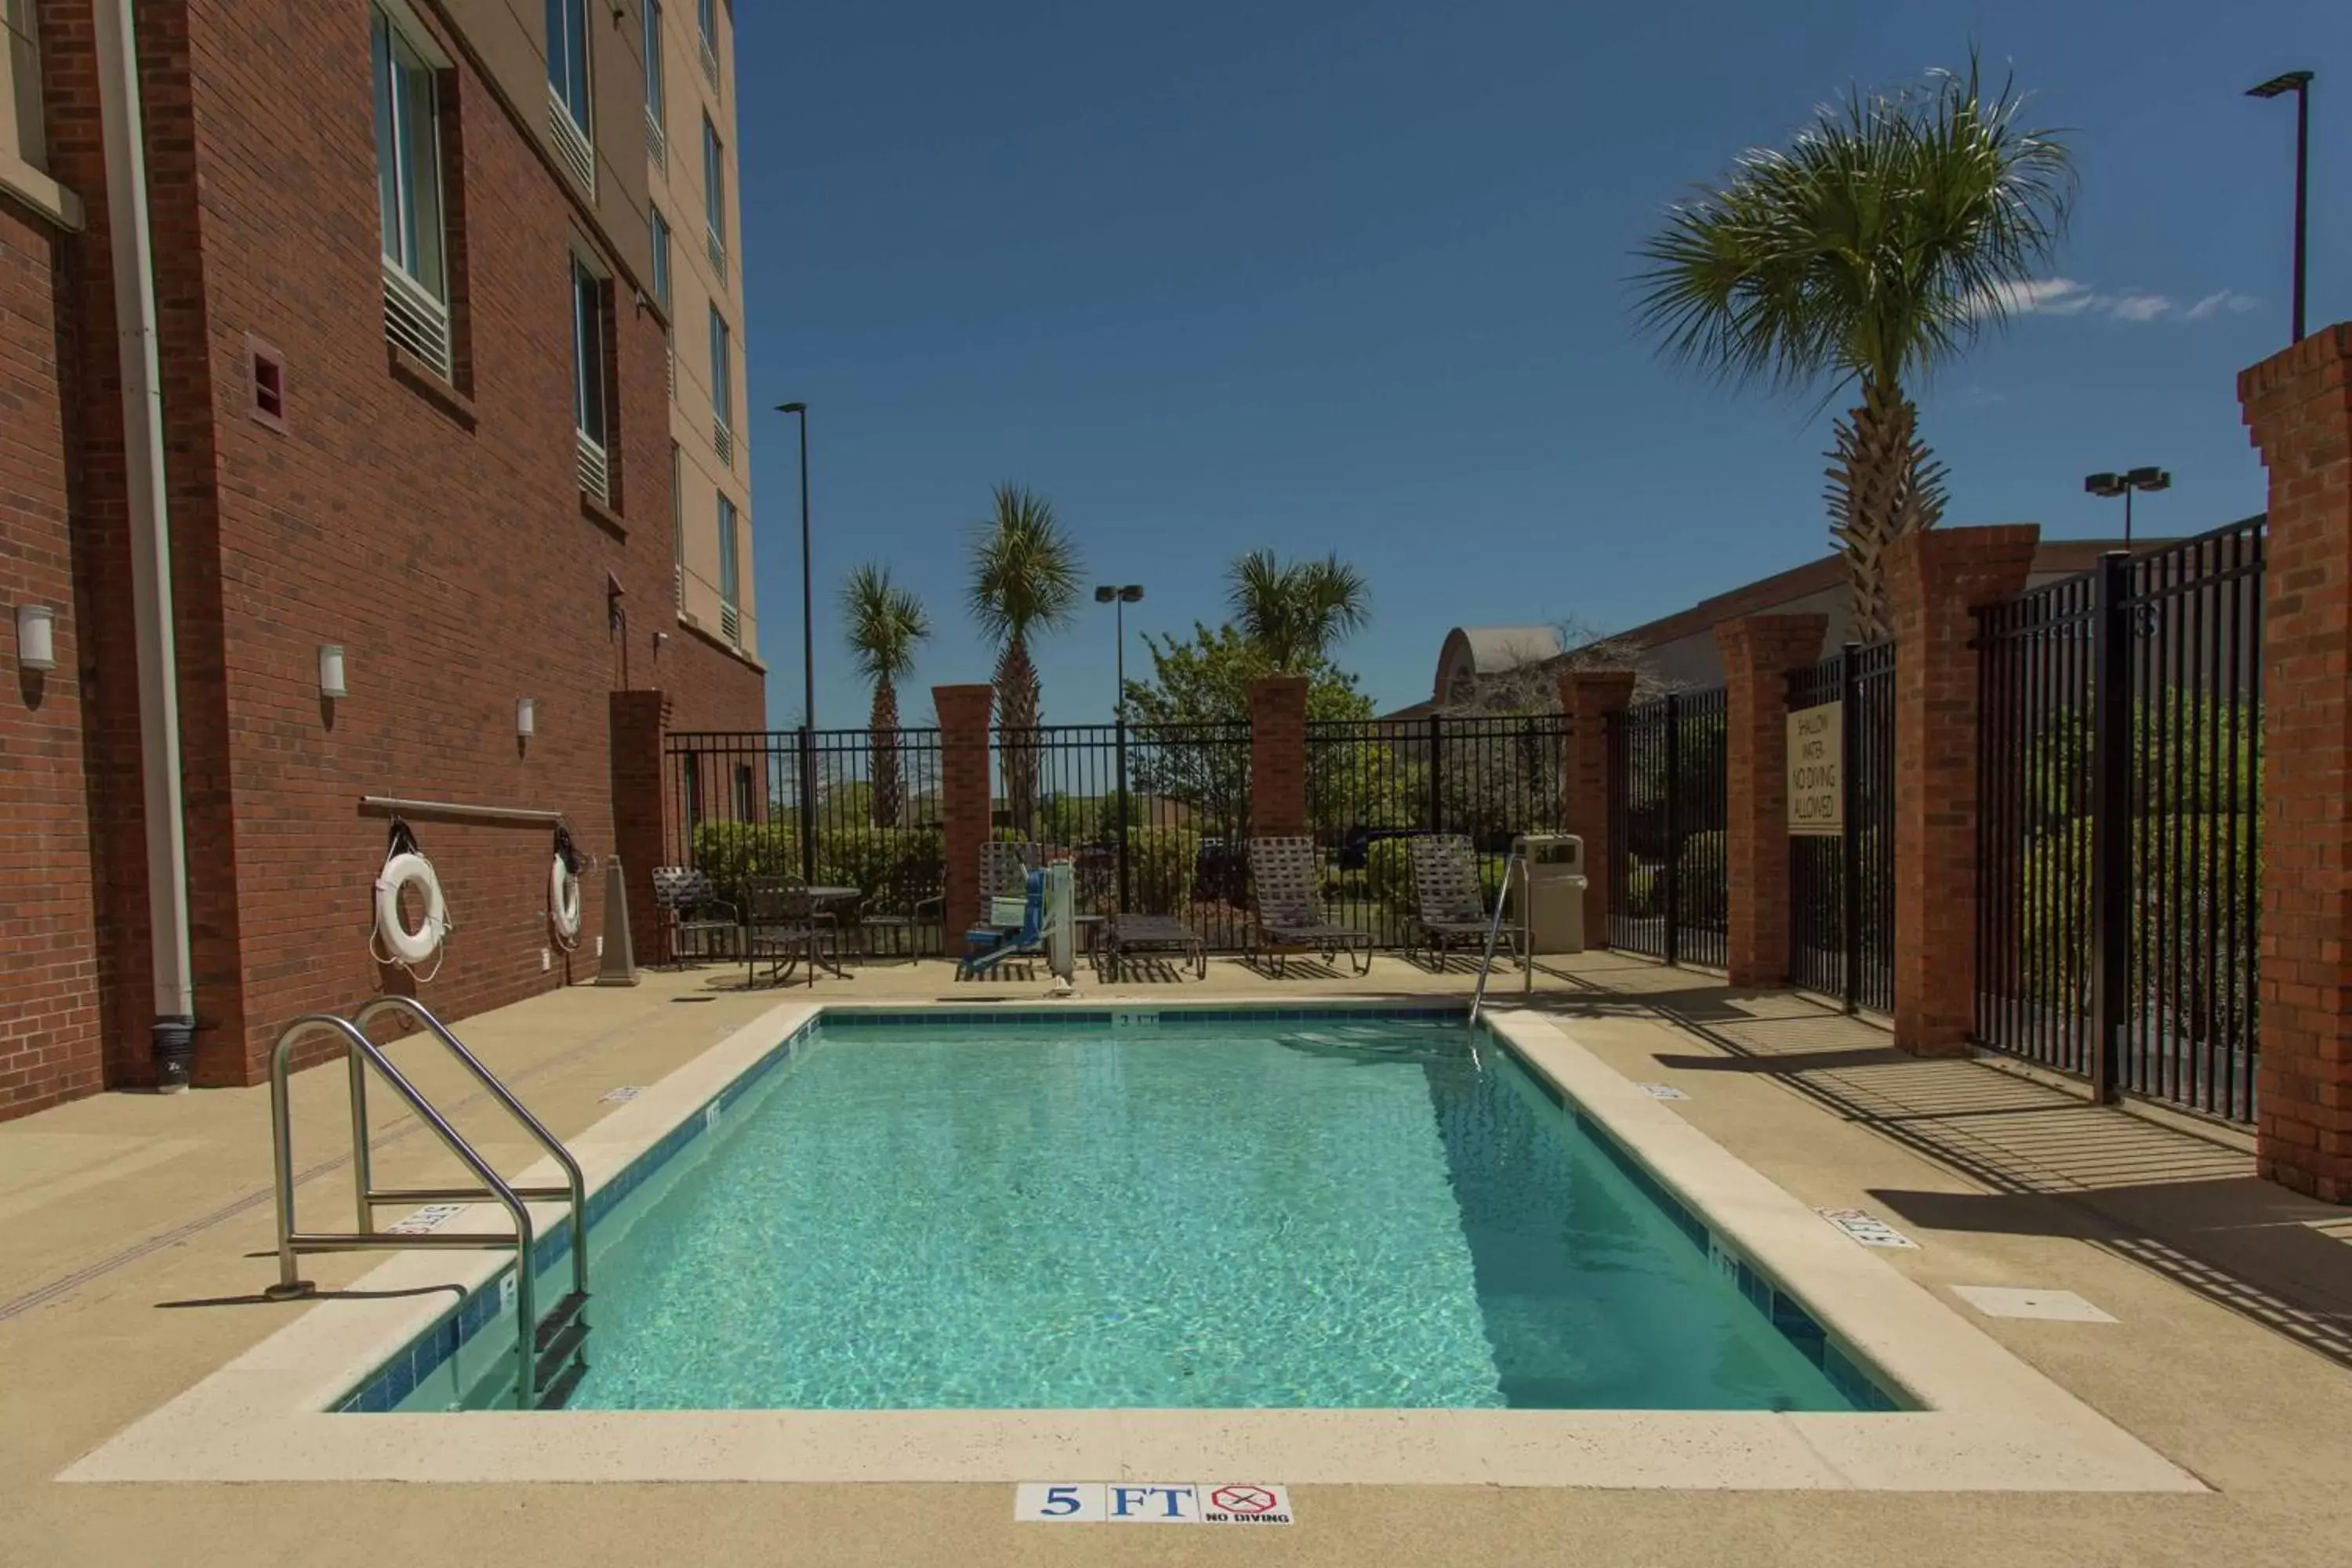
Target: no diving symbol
[1242,1500]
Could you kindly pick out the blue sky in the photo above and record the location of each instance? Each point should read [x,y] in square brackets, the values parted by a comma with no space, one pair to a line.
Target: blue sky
[1353,276]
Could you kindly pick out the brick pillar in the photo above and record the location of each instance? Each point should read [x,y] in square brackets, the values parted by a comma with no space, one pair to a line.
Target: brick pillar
[2298,407]
[1934,581]
[1278,754]
[965,798]
[1587,698]
[639,724]
[1758,652]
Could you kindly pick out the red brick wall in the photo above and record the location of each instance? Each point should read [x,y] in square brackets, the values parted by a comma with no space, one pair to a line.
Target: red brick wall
[965,798]
[49,1029]
[1934,581]
[1278,754]
[1587,698]
[1758,652]
[2299,408]
[440,541]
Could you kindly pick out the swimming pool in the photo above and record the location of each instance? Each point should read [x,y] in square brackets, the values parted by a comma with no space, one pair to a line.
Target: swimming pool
[1337,1209]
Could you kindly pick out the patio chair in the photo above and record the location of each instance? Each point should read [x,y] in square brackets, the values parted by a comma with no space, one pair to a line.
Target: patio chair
[900,907]
[1449,905]
[690,909]
[1123,934]
[783,927]
[1290,915]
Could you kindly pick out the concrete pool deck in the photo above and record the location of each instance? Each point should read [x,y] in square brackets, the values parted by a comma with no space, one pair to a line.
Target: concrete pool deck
[128,1226]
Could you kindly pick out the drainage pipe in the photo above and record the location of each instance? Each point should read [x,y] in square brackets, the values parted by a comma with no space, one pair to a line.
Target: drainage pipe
[133,240]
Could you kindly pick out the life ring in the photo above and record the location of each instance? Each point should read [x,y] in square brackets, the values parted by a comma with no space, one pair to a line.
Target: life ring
[400,871]
[564,899]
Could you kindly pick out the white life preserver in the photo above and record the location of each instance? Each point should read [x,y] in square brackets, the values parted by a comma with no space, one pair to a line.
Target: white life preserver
[405,945]
[564,899]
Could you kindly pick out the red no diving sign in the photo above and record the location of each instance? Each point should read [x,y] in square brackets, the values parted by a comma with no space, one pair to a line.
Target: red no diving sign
[1243,1500]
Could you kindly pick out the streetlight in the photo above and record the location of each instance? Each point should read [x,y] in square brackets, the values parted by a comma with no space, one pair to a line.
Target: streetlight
[2123,485]
[808,664]
[2299,84]
[1120,597]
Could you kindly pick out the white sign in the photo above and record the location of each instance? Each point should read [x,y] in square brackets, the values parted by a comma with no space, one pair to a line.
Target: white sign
[431,1218]
[623,1095]
[1816,767]
[1866,1227]
[1150,1502]
[1661,1091]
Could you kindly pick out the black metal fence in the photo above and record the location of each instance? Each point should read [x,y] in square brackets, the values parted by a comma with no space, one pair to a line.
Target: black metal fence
[1669,889]
[1842,886]
[2119,854]
[1374,783]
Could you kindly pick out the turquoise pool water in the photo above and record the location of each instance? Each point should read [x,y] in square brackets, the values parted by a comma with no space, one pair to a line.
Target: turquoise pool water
[1319,1213]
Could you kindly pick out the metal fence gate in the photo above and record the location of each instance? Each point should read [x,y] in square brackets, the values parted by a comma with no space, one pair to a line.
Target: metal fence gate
[1373,783]
[2119,852]
[1842,886]
[1669,893]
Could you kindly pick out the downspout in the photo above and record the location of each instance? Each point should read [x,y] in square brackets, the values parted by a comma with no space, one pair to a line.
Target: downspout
[151,538]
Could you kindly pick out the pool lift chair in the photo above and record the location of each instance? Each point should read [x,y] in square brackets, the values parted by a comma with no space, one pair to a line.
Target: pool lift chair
[1044,927]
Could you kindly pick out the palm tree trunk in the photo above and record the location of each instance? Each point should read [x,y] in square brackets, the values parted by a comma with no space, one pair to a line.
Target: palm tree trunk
[889,793]
[1883,484]
[1019,706]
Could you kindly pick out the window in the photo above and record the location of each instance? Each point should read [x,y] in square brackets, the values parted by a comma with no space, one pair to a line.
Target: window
[590,352]
[567,88]
[660,228]
[714,194]
[708,22]
[24,144]
[656,107]
[729,584]
[743,795]
[408,195]
[723,388]
[678,524]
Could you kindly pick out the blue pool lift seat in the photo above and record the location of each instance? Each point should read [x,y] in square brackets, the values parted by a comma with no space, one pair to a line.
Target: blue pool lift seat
[986,946]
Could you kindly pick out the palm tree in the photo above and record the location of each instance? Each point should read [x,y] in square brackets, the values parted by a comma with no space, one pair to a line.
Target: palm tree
[1293,615]
[1025,579]
[887,623]
[1868,254]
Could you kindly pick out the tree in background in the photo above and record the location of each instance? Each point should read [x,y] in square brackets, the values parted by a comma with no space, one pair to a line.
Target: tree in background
[1294,613]
[1025,579]
[1869,253]
[885,624]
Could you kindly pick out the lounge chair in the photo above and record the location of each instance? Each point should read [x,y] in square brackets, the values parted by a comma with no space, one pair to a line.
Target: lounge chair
[1289,915]
[1449,906]
[1123,934]
[782,925]
[911,905]
[691,910]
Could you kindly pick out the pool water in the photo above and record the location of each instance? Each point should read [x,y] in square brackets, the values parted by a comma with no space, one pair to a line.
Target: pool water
[1321,1213]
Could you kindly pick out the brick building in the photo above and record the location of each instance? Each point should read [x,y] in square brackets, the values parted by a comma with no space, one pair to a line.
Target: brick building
[229,442]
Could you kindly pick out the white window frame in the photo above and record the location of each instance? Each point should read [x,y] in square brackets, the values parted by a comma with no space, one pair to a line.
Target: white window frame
[573,128]
[417,306]
[714,196]
[678,523]
[657,90]
[722,387]
[657,232]
[706,23]
[593,447]
[731,570]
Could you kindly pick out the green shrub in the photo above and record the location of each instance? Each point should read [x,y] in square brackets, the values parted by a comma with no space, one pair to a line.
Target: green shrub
[1387,872]
[1644,892]
[1160,869]
[1702,892]
[731,853]
[882,861]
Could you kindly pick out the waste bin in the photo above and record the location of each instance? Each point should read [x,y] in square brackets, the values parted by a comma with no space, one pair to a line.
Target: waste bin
[1549,899]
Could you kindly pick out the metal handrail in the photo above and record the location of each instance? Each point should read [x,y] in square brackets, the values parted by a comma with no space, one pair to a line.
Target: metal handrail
[575,1182]
[291,1241]
[1494,930]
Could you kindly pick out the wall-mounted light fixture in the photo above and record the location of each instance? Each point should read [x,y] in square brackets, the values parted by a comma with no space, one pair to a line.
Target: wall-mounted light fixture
[526,717]
[330,669]
[36,638]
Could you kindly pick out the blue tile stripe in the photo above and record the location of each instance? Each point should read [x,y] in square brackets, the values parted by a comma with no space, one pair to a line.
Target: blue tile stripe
[425,1355]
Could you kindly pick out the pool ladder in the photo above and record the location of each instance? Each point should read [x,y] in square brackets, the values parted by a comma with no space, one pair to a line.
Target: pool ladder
[547,1357]
[1494,930]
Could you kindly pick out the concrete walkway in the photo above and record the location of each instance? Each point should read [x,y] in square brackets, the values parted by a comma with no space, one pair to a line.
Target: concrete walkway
[135,1235]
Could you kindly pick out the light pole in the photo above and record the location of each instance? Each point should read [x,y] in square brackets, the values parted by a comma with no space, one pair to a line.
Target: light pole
[1120,597]
[2123,485]
[808,664]
[2299,84]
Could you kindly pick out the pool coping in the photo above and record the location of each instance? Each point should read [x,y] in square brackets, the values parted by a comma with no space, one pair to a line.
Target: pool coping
[1988,1421]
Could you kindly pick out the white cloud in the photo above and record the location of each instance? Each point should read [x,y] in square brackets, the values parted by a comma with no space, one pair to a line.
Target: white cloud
[2043,296]
[2219,300]
[2136,307]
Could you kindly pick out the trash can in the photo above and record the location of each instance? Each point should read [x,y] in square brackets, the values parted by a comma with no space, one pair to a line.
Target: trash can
[1549,899]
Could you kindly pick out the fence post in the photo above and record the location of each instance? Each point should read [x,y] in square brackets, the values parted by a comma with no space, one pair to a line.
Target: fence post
[1121,722]
[638,724]
[1673,872]
[1758,653]
[1936,581]
[2111,868]
[1587,699]
[2299,412]
[808,804]
[965,800]
[1433,809]
[1850,814]
[1278,755]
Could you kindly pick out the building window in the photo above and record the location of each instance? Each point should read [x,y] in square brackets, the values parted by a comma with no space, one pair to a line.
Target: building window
[706,19]
[678,524]
[744,794]
[23,141]
[660,228]
[731,624]
[723,388]
[408,193]
[591,355]
[714,196]
[569,117]
[657,105]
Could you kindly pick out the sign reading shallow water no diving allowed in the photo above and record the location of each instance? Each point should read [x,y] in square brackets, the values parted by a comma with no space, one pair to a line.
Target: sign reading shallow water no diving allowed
[1816,764]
